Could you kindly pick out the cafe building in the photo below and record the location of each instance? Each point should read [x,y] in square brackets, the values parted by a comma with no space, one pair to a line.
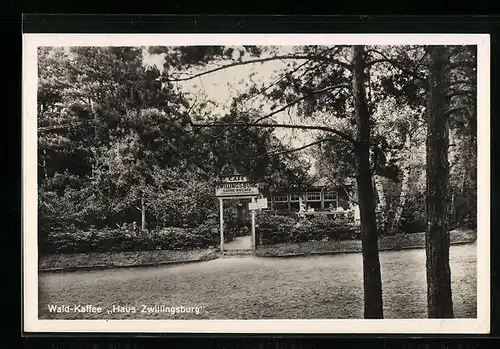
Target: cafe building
[317,197]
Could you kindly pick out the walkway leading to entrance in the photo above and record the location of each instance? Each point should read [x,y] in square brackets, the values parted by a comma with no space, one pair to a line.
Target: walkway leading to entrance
[240,243]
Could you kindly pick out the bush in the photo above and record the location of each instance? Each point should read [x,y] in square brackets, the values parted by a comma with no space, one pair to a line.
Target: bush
[413,218]
[275,229]
[338,228]
[464,210]
[184,207]
[235,228]
[126,238]
[305,230]
[177,239]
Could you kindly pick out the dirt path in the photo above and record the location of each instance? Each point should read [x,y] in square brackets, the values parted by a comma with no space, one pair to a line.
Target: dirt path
[240,243]
[261,288]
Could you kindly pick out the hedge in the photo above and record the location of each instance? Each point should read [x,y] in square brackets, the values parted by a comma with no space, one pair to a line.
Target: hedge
[272,229]
[126,238]
[275,229]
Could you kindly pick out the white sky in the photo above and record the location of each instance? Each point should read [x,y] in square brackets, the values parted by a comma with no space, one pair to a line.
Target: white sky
[222,86]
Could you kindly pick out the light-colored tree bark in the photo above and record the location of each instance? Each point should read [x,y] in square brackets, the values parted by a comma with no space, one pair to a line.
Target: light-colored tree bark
[143,215]
[404,187]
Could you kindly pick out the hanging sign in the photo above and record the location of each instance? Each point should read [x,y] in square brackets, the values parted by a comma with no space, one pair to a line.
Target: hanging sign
[252,206]
[236,186]
[262,203]
[258,205]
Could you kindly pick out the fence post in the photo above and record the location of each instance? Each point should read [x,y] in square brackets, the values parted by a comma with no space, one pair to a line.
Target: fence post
[253,227]
[221,218]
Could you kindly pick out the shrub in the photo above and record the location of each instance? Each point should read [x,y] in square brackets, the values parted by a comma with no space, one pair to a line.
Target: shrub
[126,238]
[185,207]
[177,239]
[338,228]
[57,242]
[464,209]
[236,228]
[208,234]
[305,230]
[323,226]
[276,229]
[413,218]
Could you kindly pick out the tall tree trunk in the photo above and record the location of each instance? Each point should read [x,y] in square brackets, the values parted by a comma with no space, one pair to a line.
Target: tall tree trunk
[372,282]
[404,189]
[143,215]
[439,295]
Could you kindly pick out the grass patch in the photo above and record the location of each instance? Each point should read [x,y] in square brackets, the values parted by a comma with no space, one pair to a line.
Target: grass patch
[387,243]
[103,260]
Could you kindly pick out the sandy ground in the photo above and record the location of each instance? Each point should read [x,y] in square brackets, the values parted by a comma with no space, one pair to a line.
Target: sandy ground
[239,243]
[258,288]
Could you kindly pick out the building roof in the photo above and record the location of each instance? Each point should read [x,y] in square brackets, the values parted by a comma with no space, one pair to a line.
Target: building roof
[317,183]
[323,182]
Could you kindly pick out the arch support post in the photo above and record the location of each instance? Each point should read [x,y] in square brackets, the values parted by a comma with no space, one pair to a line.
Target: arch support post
[221,228]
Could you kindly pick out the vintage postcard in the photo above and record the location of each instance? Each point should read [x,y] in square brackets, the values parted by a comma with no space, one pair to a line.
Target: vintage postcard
[256,183]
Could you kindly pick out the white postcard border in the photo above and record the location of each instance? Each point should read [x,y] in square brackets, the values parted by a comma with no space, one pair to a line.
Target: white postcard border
[412,326]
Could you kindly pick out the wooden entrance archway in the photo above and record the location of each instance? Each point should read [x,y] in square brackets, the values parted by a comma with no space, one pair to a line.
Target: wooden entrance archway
[221,218]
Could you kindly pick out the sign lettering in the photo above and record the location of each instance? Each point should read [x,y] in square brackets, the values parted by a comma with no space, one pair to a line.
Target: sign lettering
[234,186]
[236,179]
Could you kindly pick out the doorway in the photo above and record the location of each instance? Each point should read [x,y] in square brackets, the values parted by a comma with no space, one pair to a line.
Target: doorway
[238,224]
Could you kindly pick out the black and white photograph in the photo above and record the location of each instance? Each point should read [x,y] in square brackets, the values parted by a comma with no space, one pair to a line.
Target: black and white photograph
[256,183]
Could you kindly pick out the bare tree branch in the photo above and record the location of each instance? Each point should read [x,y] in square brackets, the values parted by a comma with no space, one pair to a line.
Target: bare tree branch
[349,197]
[326,61]
[455,93]
[291,72]
[457,108]
[57,127]
[341,134]
[299,148]
[462,64]
[326,89]
[395,64]
[462,82]
[261,91]
[454,50]
[192,105]
[320,64]
[292,103]
[414,131]
[263,60]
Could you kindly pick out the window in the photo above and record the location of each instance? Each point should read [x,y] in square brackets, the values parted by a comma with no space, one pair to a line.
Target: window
[313,196]
[315,205]
[330,196]
[280,206]
[280,198]
[295,197]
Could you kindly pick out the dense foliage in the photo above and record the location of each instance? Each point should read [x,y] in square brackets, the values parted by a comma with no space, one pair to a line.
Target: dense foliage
[117,146]
[128,237]
[120,142]
[275,229]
